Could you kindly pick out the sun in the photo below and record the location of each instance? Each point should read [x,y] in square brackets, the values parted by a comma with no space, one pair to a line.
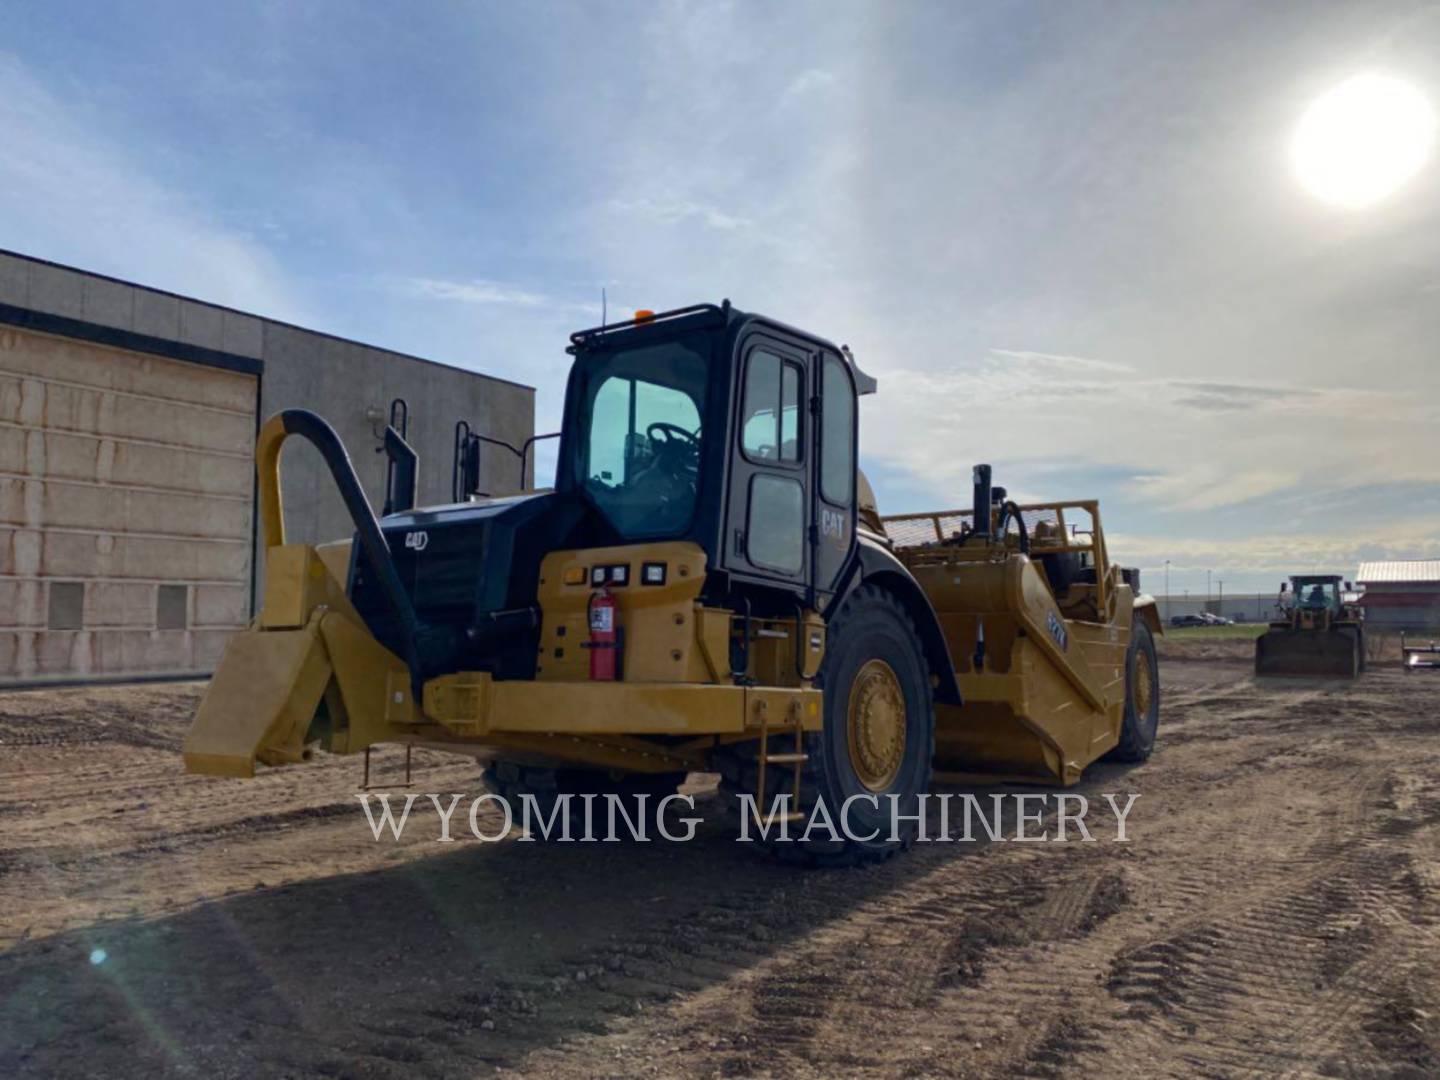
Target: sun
[1363,140]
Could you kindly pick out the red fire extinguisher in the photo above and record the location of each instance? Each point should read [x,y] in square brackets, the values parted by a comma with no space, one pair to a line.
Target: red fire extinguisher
[604,641]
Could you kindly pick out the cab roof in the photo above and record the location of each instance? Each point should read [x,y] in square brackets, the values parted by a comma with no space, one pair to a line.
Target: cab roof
[700,317]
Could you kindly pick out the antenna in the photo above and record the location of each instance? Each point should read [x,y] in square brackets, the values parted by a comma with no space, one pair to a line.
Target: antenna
[603,319]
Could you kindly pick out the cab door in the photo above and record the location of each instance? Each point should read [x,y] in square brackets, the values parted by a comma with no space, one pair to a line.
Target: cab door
[835,431]
[771,508]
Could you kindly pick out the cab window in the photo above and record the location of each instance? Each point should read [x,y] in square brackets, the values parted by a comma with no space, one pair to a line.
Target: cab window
[770,422]
[837,434]
[777,522]
[641,454]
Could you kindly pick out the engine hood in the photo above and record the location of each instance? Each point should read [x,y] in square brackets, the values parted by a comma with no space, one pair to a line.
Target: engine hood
[461,564]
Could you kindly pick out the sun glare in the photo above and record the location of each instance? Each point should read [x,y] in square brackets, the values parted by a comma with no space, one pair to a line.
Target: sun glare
[1363,139]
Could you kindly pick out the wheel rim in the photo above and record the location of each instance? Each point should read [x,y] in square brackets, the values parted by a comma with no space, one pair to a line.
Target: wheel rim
[876,725]
[1141,687]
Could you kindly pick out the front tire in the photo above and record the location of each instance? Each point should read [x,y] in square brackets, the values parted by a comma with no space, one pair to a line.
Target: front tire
[878,739]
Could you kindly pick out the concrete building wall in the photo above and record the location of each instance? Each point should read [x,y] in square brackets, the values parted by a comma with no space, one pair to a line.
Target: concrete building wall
[350,385]
[127,425]
[125,485]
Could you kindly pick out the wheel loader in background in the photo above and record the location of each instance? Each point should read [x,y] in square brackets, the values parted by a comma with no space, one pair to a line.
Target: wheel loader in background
[708,587]
[1315,632]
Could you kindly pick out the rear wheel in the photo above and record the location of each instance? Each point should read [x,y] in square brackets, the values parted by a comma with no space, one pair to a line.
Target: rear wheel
[876,744]
[1142,697]
[515,783]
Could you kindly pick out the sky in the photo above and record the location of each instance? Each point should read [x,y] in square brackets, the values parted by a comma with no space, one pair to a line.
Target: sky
[1067,238]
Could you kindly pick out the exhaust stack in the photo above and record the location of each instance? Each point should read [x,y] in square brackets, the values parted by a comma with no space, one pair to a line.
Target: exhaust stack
[981,525]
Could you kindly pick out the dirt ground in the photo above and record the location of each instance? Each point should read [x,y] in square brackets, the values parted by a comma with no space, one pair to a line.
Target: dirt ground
[1276,912]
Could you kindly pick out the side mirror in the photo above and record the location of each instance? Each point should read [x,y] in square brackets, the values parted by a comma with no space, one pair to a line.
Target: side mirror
[1284,586]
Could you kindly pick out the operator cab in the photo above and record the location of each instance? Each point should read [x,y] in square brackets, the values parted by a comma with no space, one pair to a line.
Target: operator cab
[726,429]
[1315,592]
[708,425]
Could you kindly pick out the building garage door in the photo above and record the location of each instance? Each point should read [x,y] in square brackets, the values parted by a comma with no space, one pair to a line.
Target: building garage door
[126,484]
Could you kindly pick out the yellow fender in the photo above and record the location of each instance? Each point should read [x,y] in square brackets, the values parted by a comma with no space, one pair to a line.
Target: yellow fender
[1148,612]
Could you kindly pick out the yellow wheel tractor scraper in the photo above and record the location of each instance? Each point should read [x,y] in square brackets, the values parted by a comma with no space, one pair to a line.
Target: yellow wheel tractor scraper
[708,587]
[1315,632]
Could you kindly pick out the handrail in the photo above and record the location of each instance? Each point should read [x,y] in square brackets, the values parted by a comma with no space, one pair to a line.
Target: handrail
[584,337]
[1095,547]
[464,463]
[522,451]
[402,473]
[1060,504]
[397,450]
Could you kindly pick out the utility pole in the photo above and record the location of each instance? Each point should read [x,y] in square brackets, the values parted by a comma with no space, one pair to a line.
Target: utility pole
[1167,590]
[1221,604]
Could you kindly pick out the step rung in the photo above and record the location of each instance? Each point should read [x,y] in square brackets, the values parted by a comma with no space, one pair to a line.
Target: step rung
[786,759]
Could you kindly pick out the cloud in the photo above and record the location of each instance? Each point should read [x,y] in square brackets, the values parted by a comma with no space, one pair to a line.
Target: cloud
[1060,360]
[1247,391]
[491,295]
[1278,553]
[1231,397]
[75,192]
[1188,446]
[809,81]
[475,292]
[675,211]
[1206,487]
[1215,403]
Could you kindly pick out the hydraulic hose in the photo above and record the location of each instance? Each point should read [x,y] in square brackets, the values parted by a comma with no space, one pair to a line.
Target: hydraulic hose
[1007,511]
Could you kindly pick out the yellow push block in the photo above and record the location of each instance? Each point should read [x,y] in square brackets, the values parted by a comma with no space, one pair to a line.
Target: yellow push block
[259,703]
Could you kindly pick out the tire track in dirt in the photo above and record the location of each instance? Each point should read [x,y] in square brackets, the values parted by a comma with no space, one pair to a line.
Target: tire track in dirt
[796,1009]
[1274,964]
[1226,958]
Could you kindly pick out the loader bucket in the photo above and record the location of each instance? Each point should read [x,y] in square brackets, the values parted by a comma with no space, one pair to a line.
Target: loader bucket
[1333,653]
